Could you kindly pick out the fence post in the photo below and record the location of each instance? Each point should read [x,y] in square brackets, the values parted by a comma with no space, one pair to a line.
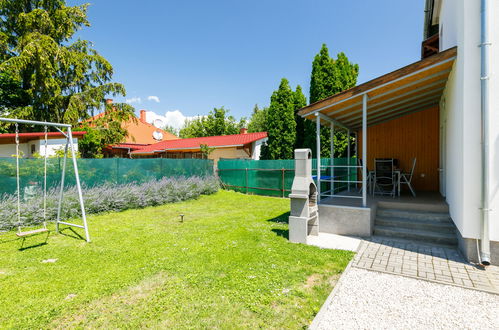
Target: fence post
[117,171]
[246,180]
[283,182]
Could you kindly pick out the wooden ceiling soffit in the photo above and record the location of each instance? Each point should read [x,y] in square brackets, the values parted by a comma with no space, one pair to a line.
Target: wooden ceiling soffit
[429,101]
[398,102]
[425,67]
[429,81]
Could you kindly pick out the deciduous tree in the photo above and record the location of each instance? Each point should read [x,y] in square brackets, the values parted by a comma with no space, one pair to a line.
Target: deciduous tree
[217,122]
[258,120]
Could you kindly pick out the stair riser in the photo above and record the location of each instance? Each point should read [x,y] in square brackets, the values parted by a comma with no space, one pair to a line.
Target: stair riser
[415,225]
[436,240]
[413,215]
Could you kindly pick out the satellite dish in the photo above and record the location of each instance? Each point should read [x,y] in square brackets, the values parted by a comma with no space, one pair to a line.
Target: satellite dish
[157,135]
[158,123]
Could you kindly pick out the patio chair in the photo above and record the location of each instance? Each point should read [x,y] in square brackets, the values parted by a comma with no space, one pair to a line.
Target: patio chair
[384,177]
[406,178]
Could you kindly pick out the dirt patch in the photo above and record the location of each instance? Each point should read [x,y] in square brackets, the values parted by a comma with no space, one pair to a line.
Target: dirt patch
[312,281]
[118,304]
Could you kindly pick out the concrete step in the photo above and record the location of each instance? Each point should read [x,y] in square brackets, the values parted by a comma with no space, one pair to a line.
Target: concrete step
[430,225]
[433,206]
[416,235]
[413,215]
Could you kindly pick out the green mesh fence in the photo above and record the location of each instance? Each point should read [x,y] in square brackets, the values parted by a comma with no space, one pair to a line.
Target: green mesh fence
[95,172]
[275,177]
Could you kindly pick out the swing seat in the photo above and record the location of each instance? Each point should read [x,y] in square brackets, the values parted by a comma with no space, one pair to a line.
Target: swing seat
[32,232]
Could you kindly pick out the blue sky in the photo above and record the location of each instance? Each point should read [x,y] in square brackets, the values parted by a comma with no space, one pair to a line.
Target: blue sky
[196,55]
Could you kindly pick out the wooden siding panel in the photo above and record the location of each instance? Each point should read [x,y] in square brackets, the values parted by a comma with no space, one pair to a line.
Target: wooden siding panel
[413,135]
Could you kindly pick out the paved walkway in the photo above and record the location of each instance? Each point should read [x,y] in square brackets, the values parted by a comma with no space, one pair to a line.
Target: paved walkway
[428,262]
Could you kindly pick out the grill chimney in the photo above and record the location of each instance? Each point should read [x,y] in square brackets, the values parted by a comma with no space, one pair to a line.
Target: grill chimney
[304,216]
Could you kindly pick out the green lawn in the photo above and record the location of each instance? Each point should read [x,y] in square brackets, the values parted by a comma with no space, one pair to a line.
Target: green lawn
[229,265]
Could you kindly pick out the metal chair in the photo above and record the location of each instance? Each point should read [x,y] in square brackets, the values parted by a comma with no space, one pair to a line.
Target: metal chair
[406,178]
[384,177]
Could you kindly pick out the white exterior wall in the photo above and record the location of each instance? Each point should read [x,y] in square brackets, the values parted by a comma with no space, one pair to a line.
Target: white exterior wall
[460,113]
[257,148]
[8,150]
[494,119]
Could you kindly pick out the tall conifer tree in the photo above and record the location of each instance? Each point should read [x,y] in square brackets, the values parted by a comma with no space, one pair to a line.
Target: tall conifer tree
[281,125]
[299,101]
[329,77]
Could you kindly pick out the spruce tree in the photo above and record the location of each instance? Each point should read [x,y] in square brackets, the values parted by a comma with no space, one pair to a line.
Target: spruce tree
[63,80]
[281,125]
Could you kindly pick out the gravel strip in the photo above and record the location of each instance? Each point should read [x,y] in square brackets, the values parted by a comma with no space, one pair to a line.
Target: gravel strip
[372,300]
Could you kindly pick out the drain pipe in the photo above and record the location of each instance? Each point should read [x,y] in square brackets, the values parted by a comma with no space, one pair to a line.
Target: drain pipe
[484,254]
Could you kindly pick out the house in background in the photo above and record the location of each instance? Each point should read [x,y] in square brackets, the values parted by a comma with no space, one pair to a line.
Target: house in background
[442,110]
[34,143]
[245,146]
[140,134]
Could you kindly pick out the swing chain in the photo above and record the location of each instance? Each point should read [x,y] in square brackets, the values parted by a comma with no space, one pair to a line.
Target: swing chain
[45,179]
[18,180]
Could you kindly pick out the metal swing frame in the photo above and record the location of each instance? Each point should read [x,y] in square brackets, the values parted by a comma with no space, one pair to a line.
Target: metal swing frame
[69,144]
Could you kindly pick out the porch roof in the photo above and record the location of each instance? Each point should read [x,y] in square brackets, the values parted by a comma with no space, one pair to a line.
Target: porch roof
[415,87]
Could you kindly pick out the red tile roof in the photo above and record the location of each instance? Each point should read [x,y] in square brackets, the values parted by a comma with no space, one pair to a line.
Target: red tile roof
[194,143]
[132,146]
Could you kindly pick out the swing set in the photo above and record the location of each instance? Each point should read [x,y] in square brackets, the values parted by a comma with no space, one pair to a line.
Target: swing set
[69,144]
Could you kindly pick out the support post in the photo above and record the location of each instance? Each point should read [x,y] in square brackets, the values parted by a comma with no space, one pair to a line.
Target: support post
[283,182]
[78,185]
[331,146]
[61,192]
[318,150]
[364,150]
[246,180]
[349,172]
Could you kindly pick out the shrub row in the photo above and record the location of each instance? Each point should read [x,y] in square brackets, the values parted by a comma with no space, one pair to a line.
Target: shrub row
[106,198]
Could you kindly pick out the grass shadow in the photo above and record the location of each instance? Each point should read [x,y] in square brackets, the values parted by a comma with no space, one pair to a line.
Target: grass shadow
[283,218]
[32,246]
[24,248]
[281,232]
[70,232]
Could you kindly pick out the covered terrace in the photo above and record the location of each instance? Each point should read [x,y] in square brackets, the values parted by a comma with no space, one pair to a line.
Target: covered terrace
[393,116]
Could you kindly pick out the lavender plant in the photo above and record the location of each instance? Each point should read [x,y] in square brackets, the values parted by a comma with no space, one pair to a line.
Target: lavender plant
[106,198]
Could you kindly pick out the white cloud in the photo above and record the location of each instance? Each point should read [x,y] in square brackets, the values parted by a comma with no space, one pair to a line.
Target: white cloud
[133,100]
[153,98]
[173,118]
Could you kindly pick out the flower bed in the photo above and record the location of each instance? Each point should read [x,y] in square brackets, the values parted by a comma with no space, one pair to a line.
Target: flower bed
[105,198]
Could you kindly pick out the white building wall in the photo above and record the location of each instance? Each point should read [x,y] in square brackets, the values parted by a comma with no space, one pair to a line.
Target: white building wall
[257,148]
[460,26]
[8,150]
[494,120]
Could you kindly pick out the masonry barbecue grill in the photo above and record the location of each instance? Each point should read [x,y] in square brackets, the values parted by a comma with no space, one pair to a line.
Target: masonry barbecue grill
[304,216]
